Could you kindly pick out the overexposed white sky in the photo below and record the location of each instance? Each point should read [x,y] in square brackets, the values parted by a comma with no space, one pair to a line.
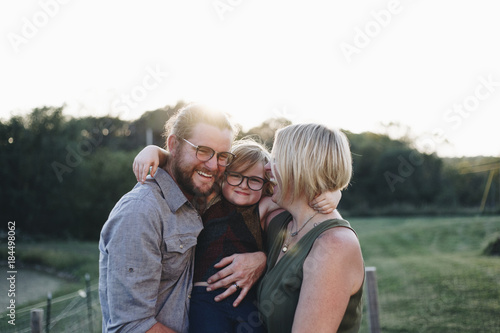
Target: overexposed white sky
[431,65]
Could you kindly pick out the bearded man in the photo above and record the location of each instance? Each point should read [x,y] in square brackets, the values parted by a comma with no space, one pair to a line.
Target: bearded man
[147,244]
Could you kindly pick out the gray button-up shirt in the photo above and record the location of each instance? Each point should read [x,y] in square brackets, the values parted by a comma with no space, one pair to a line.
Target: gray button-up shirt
[146,258]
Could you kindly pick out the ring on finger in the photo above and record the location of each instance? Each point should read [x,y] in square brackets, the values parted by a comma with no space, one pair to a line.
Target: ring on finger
[236,285]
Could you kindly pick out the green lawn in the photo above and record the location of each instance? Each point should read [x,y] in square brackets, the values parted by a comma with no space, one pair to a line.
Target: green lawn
[431,274]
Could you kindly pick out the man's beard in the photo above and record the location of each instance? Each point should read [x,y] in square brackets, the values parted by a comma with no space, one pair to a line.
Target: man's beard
[184,178]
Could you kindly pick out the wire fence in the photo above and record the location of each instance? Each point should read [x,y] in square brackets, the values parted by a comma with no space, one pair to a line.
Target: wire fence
[79,311]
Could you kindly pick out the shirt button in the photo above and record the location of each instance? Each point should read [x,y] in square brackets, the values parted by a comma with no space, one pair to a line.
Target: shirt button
[130,270]
[181,246]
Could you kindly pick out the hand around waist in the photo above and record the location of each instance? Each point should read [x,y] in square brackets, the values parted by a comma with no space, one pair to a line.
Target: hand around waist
[239,272]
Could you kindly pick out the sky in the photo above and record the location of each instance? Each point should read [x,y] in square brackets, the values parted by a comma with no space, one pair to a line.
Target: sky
[431,66]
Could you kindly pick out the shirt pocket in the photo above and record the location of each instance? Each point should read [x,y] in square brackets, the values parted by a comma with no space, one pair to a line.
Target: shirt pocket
[178,255]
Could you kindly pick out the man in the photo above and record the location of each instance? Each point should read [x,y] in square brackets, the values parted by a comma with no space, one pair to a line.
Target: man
[147,244]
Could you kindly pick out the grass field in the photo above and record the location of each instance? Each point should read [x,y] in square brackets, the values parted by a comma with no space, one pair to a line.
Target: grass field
[431,273]
[432,276]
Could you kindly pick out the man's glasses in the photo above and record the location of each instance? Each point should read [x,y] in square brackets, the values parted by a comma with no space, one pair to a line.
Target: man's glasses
[236,178]
[204,154]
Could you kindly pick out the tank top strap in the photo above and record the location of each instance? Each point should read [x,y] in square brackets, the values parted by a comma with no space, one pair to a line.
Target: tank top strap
[309,238]
[328,224]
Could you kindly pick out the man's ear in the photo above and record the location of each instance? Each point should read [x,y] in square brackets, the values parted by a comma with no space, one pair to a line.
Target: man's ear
[172,144]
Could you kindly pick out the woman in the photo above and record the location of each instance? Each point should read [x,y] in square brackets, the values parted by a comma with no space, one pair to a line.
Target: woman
[315,271]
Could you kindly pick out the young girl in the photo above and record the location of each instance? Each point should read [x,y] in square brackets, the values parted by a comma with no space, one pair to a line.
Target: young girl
[232,224]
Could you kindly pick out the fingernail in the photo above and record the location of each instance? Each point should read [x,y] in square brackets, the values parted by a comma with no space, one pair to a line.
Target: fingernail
[209,289]
[209,281]
[217,299]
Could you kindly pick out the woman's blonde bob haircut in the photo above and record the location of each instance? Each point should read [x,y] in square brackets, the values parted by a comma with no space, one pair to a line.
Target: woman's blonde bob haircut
[310,159]
[249,153]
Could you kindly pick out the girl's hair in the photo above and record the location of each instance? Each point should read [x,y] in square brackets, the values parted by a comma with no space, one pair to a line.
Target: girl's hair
[310,159]
[249,153]
[183,122]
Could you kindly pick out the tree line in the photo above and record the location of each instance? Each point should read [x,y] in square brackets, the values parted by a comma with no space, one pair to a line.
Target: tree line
[61,176]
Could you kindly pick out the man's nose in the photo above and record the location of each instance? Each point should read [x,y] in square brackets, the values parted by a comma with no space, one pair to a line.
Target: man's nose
[212,163]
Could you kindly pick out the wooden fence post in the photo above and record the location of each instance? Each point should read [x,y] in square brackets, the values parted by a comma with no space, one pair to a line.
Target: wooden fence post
[373,310]
[36,320]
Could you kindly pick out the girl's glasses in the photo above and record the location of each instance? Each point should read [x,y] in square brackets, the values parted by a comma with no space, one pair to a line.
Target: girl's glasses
[235,178]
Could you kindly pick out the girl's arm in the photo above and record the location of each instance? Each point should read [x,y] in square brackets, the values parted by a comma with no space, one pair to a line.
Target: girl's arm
[325,203]
[150,157]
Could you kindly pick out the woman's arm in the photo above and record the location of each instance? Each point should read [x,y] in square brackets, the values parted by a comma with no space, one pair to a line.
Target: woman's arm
[333,271]
[151,156]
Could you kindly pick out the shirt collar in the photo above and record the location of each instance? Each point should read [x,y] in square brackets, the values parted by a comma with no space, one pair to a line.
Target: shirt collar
[170,190]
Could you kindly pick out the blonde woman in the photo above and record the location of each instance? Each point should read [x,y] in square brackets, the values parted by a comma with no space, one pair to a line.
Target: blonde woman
[315,271]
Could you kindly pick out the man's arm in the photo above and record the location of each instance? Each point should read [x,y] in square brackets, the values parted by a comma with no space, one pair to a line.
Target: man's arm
[244,269]
[131,243]
[159,328]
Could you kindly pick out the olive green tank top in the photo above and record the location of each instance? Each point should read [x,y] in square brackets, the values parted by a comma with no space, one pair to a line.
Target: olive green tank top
[279,290]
